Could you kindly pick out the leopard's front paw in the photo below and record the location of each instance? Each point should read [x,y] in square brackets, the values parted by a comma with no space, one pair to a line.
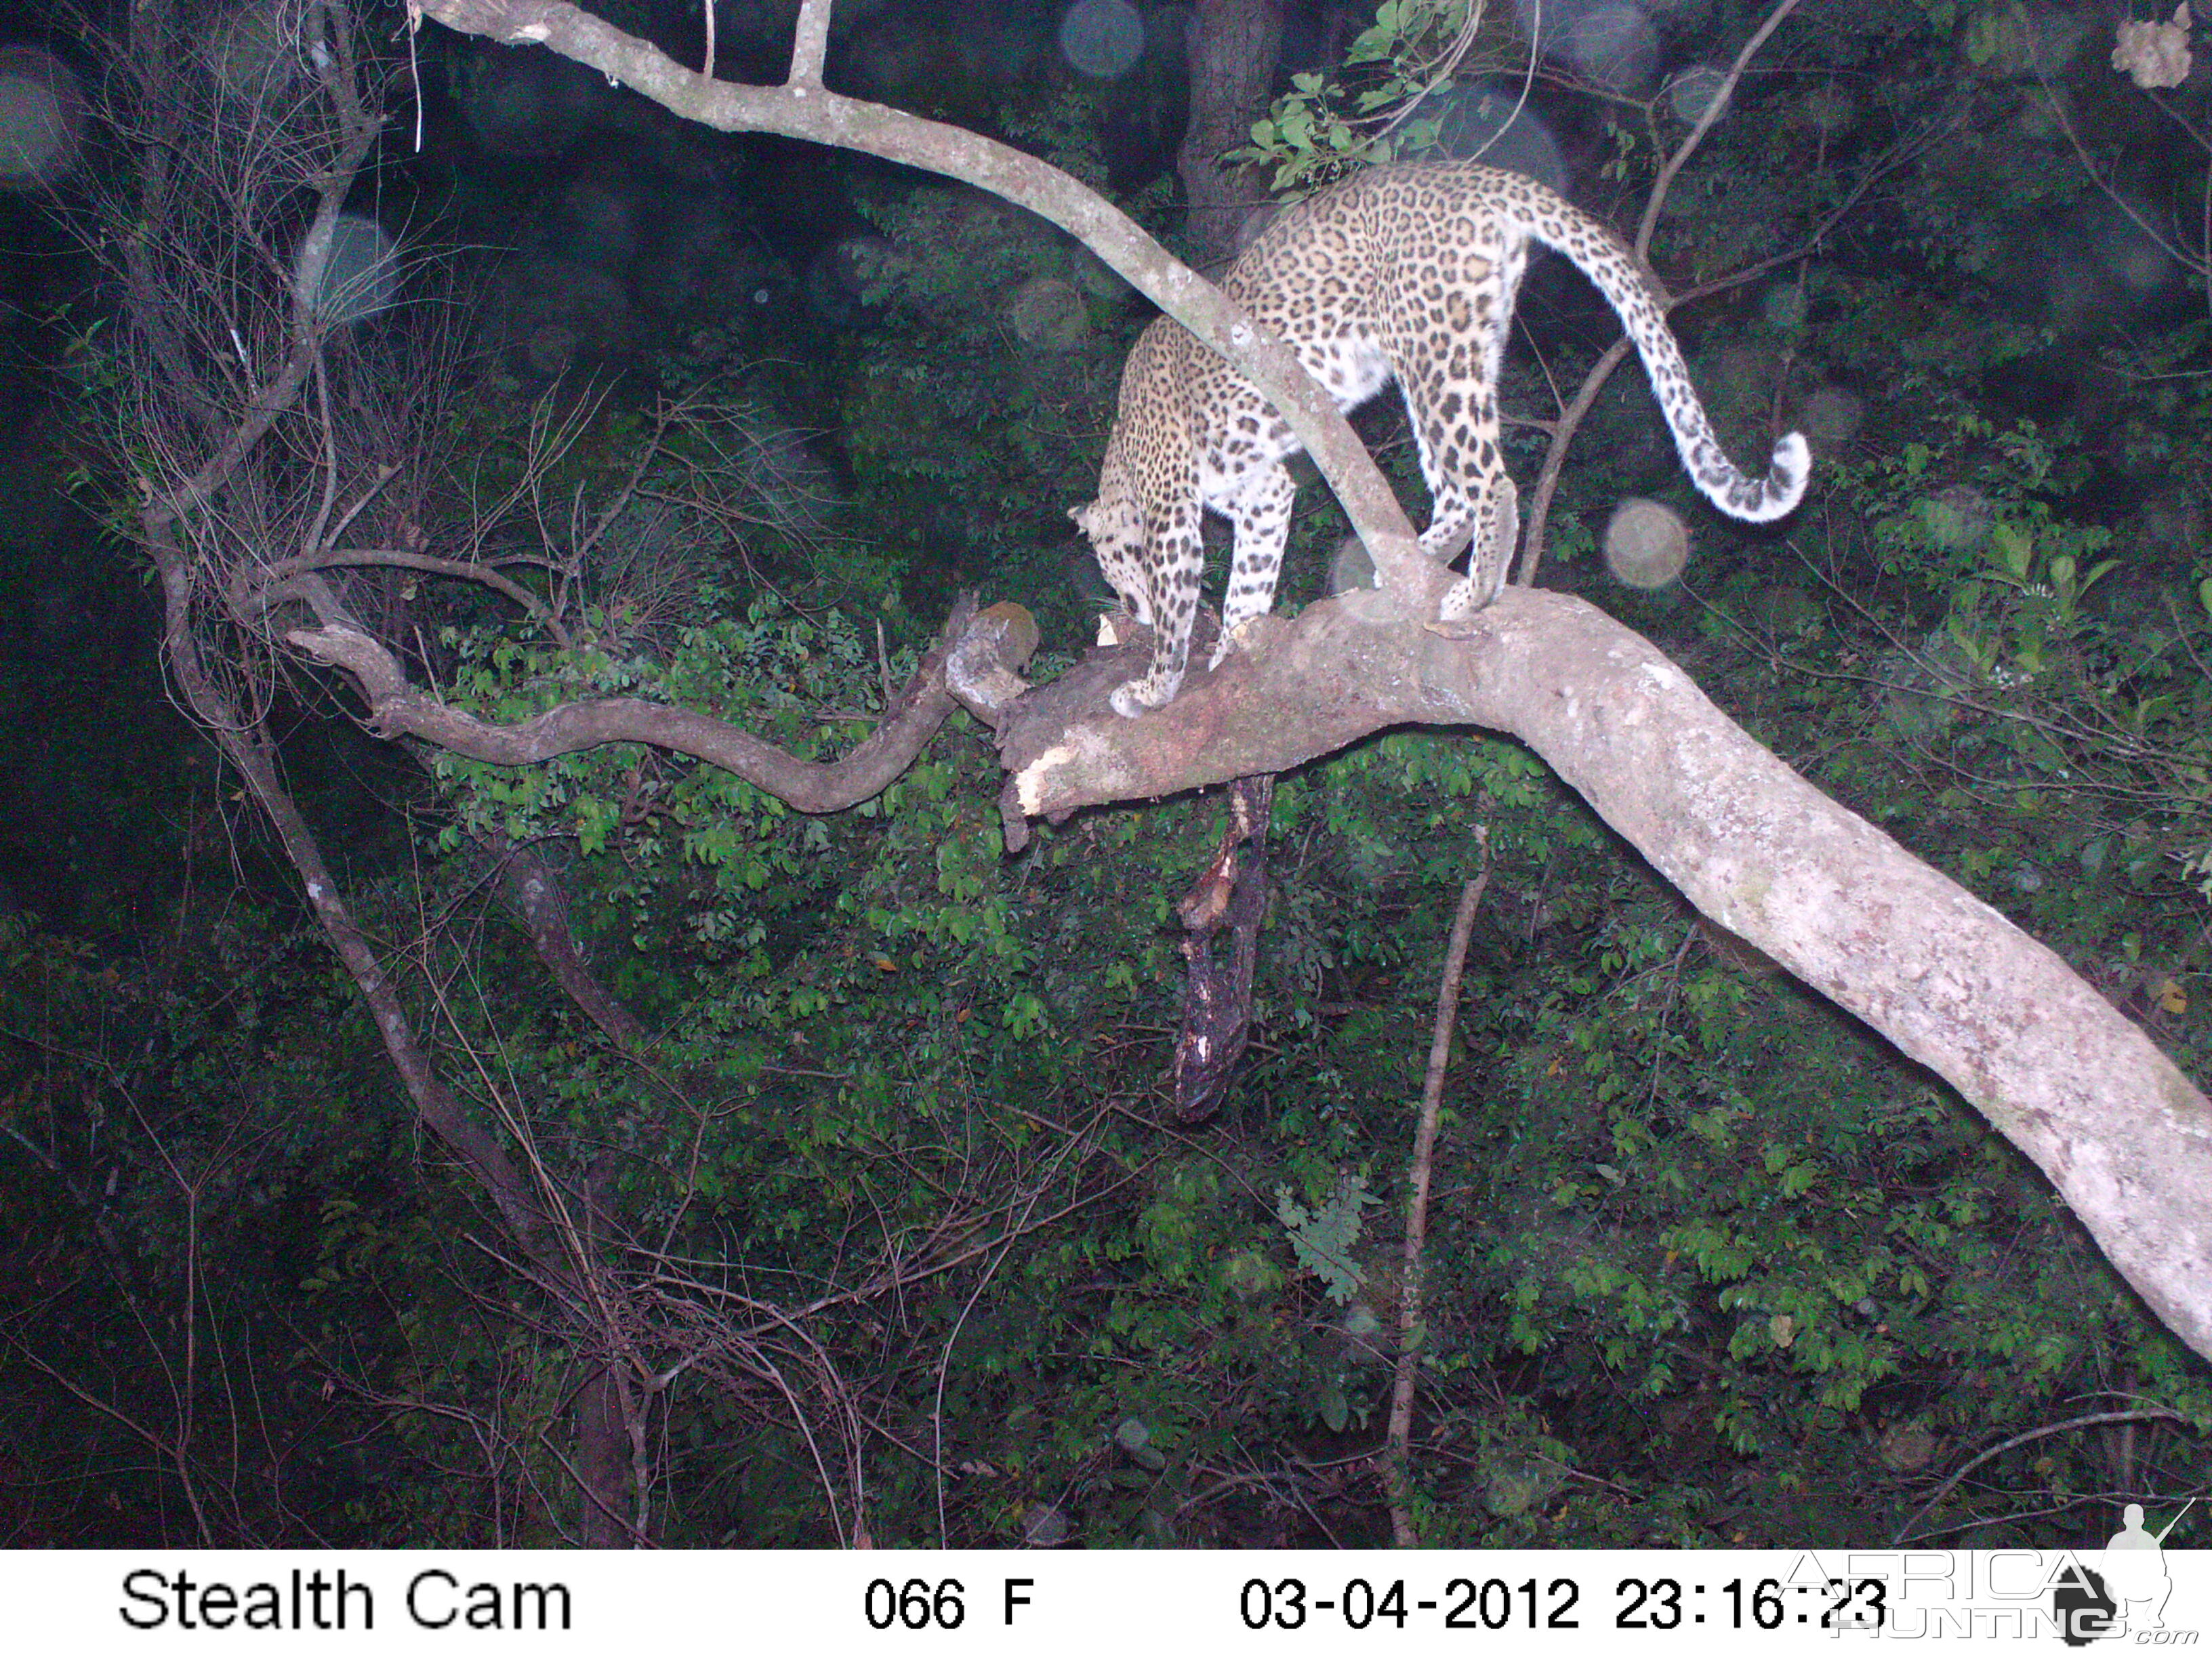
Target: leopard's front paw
[1132,699]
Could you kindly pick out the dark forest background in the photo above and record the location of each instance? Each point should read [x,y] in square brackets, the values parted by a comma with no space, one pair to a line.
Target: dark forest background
[882,1219]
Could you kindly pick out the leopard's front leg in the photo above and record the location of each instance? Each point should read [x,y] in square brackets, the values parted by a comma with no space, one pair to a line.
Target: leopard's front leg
[1179,561]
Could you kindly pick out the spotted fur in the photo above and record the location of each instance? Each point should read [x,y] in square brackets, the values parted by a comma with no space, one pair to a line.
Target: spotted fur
[1406,272]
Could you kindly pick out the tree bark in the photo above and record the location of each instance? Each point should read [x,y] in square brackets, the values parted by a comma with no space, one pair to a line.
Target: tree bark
[1231,891]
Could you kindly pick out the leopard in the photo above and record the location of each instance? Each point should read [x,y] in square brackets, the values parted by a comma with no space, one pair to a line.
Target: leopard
[1407,271]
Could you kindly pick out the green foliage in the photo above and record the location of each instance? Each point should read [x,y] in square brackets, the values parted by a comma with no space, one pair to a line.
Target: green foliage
[2057,676]
[1322,126]
[1322,1237]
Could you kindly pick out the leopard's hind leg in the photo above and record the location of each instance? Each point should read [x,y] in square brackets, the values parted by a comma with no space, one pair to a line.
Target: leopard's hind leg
[1456,431]
[1262,515]
[1497,531]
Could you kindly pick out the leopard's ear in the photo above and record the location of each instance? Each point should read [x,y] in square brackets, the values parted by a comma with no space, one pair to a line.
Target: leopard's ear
[1083,515]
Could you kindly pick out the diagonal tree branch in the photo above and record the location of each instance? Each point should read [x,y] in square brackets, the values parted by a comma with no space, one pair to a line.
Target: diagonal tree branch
[803,109]
[2123,1135]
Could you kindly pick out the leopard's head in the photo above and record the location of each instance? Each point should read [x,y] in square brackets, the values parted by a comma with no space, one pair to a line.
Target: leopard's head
[1117,532]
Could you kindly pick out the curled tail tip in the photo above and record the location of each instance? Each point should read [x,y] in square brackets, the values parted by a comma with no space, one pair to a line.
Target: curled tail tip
[1777,495]
[1792,466]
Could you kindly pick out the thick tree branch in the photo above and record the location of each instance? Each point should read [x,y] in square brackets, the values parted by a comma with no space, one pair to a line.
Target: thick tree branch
[2123,1135]
[809,43]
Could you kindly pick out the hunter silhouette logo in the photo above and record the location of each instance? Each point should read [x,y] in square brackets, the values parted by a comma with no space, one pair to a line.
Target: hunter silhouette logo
[2128,1597]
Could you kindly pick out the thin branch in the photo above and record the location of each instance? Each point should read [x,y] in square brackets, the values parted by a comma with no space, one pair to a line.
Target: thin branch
[1410,1333]
[274,576]
[1711,112]
[1439,69]
[2200,263]
[2148,1414]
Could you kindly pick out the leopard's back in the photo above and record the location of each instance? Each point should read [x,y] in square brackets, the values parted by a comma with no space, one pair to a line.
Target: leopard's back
[1422,262]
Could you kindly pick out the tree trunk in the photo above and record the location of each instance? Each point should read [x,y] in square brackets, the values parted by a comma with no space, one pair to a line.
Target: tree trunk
[1234,45]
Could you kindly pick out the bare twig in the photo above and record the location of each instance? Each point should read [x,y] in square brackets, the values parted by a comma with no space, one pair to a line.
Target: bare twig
[399,559]
[1410,1333]
[1711,114]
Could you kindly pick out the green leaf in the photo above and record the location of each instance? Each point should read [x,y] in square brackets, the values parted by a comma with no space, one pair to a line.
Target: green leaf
[2012,547]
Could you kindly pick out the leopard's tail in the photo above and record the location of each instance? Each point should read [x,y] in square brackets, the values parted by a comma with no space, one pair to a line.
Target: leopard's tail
[1606,260]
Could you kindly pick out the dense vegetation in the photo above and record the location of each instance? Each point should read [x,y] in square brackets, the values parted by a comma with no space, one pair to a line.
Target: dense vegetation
[877,1172]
